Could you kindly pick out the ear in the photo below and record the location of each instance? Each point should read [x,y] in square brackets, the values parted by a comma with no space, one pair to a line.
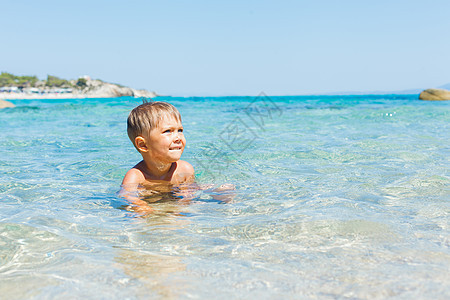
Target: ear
[141,144]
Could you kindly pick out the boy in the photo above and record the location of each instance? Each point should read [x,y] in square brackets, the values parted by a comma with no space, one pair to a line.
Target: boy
[156,132]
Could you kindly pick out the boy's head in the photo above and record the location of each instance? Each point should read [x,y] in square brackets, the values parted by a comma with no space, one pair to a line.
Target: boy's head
[147,116]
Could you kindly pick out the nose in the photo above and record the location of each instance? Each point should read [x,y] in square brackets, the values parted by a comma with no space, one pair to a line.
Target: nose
[177,137]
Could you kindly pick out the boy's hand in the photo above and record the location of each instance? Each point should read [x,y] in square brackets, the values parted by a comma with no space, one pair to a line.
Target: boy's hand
[225,187]
[224,193]
[142,210]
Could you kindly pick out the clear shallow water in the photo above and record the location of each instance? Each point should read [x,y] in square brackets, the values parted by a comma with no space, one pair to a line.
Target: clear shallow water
[337,197]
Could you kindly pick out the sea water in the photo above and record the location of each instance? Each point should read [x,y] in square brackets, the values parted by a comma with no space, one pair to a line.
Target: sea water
[335,197]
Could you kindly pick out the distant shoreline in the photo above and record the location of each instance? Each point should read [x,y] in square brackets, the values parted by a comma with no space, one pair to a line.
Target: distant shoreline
[14,87]
[49,96]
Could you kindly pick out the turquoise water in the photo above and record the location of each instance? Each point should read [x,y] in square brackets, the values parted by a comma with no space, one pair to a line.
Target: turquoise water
[336,197]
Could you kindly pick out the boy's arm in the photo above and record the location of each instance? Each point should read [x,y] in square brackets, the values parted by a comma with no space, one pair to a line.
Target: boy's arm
[224,193]
[133,178]
[185,178]
[129,189]
[185,172]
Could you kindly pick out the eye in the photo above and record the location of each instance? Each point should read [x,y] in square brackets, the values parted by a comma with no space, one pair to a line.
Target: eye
[167,131]
[180,130]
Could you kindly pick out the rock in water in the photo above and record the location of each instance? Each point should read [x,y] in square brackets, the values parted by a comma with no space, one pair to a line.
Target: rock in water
[435,94]
[4,104]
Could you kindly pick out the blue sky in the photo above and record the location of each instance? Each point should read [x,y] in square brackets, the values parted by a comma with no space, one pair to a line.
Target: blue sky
[232,47]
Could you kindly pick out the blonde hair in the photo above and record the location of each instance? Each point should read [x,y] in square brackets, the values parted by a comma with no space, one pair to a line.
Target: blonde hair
[145,117]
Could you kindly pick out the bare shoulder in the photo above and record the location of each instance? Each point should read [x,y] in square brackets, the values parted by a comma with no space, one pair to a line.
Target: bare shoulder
[133,176]
[185,170]
[185,167]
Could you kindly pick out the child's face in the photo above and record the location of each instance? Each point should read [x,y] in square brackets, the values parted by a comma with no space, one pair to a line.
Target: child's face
[166,142]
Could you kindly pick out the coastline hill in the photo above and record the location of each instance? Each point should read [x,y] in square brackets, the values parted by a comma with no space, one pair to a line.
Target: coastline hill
[30,87]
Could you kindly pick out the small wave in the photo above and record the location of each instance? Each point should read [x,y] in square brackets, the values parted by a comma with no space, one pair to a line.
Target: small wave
[24,108]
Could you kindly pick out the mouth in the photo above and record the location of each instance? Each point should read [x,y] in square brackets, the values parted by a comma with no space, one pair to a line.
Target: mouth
[176,148]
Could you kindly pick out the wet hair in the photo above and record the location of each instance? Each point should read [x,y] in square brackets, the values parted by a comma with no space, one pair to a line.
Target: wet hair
[145,117]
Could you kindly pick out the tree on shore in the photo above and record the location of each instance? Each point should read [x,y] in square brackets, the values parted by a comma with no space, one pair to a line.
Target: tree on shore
[82,82]
[8,79]
[53,81]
